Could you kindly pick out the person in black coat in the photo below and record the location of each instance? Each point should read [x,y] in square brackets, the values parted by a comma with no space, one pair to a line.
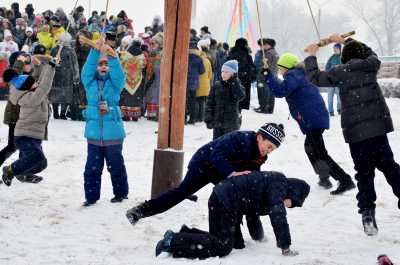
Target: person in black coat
[266,98]
[266,193]
[222,110]
[365,120]
[234,154]
[247,70]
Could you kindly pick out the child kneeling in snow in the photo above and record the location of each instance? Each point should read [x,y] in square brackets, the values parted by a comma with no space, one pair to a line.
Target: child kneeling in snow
[31,127]
[263,193]
[104,79]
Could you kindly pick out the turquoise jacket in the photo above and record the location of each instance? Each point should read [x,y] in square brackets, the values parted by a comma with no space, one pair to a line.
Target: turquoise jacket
[108,127]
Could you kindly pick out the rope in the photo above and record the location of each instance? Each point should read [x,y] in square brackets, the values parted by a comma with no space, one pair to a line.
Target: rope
[313,19]
[260,30]
[73,11]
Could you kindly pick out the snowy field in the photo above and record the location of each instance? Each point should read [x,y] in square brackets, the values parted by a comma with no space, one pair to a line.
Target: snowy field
[45,223]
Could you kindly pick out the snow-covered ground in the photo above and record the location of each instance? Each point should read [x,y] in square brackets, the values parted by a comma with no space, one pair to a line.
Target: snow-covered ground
[45,223]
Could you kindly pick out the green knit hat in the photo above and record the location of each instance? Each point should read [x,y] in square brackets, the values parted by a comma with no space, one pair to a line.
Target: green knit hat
[288,61]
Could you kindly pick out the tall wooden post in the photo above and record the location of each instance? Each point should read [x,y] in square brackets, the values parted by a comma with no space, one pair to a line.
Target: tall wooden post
[168,157]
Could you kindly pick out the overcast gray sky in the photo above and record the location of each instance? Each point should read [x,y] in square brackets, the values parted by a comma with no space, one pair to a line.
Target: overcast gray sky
[142,12]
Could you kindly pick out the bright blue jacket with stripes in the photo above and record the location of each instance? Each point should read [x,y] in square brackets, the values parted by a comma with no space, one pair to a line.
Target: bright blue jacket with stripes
[108,127]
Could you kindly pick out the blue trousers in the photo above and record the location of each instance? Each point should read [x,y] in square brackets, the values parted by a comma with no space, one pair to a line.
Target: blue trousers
[31,158]
[94,167]
[331,94]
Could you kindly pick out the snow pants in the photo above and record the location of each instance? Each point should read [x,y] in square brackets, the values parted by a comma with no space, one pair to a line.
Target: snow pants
[10,148]
[323,164]
[31,157]
[368,155]
[200,244]
[94,167]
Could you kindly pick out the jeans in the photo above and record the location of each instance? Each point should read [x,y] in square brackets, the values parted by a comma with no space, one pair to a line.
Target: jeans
[332,92]
[31,157]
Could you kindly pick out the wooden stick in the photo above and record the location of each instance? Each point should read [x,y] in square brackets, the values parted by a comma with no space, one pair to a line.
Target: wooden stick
[327,41]
[94,45]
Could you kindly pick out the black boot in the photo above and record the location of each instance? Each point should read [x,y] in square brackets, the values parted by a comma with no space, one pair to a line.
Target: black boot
[344,186]
[369,222]
[88,203]
[138,212]
[118,199]
[324,182]
[7,175]
[164,245]
[34,179]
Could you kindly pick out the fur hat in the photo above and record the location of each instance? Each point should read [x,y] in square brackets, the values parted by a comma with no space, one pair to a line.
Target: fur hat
[273,132]
[231,66]
[241,42]
[353,50]
[270,42]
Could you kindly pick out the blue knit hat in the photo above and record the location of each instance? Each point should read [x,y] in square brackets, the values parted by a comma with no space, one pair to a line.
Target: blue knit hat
[231,66]
[338,45]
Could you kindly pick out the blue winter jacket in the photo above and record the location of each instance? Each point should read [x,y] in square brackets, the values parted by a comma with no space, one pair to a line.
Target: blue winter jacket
[235,151]
[305,102]
[108,127]
[333,61]
[195,69]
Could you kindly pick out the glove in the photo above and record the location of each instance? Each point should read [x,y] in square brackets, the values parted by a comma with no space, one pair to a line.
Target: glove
[265,71]
[289,253]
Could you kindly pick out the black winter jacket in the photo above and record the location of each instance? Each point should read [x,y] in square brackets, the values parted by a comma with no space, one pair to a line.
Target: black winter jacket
[364,111]
[263,193]
[222,110]
[247,69]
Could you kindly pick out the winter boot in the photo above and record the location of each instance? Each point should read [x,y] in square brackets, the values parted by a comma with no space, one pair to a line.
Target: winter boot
[118,199]
[369,222]
[29,179]
[88,203]
[344,186]
[7,175]
[164,245]
[138,212]
[324,182]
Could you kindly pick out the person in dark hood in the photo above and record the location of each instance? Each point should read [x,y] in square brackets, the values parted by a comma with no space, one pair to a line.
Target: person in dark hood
[365,120]
[266,98]
[266,193]
[29,10]
[17,13]
[247,70]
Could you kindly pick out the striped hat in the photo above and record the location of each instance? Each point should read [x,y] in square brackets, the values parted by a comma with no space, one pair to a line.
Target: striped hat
[273,132]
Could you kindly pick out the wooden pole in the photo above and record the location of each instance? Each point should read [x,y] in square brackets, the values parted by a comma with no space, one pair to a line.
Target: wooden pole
[168,157]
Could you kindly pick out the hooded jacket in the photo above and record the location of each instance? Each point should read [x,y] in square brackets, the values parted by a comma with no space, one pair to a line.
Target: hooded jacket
[304,99]
[263,193]
[108,127]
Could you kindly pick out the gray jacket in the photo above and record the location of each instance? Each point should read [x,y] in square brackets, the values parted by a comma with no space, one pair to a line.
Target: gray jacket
[34,110]
[364,111]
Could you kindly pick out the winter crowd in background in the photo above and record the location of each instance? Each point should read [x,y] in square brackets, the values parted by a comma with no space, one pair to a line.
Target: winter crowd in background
[43,64]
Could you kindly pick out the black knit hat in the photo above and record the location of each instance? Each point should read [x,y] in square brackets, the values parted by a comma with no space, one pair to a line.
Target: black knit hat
[39,49]
[273,132]
[353,50]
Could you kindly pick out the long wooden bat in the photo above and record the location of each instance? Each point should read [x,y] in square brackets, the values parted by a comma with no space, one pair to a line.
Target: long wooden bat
[327,41]
[94,45]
